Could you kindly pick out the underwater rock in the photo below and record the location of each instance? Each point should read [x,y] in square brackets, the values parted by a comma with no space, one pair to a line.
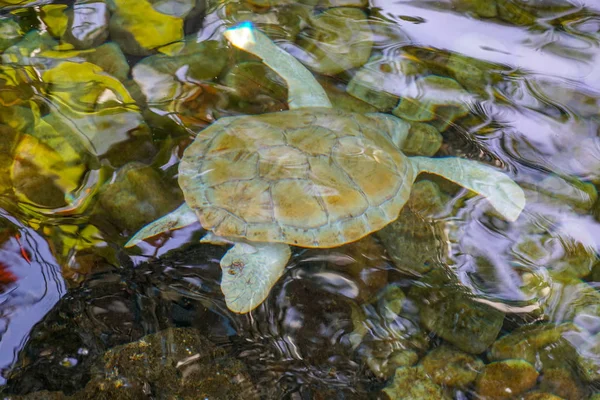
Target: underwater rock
[175,8]
[562,382]
[110,58]
[380,81]
[506,379]
[412,383]
[544,345]
[363,261]
[338,39]
[451,367]
[104,118]
[10,33]
[540,396]
[341,99]
[180,84]
[513,12]
[55,18]
[343,3]
[46,171]
[481,8]
[254,82]
[447,310]
[174,363]
[277,19]
[139,29]
[562,191]
[434,99]
[88,24]
[413,241]
[588,359]
[473,74]
[136,196]
[384,337]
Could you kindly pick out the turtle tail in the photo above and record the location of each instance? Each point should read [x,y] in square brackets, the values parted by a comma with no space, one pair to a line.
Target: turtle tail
[502,192]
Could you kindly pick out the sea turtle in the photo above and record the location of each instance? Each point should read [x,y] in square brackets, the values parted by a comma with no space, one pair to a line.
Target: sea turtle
[312,176]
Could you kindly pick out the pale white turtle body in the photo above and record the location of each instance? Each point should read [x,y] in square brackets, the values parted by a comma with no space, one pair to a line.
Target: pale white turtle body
[312,176]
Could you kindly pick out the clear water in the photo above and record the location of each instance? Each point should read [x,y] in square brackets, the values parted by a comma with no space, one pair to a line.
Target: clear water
[93,127]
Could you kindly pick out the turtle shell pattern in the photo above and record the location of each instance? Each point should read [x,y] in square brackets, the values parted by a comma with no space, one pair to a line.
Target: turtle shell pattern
[310,177]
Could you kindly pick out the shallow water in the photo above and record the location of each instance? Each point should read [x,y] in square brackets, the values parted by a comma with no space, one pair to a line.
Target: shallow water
[99,100]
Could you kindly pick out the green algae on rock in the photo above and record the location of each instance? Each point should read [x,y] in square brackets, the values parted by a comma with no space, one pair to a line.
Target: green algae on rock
[88,24]
[136,196]
[563,382]
[506,379]
[414,241]
[448,366]
[546,345]
[435,99]
[453,314]
[379,82]
[413,383]
[10,33]
[384,339]
[339,39]
[140,30]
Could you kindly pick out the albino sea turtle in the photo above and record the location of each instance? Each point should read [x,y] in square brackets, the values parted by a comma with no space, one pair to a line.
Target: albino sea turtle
[312,176]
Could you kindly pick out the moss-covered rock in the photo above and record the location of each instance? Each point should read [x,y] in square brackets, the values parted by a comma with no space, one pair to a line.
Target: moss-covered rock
[451,367]
[88,24]
[10,33]
[437,100]
[339,39]
[588,359]
[562,382]
[546,345]
[137,196]
[140,30]
[414,241]
[413,383]
[506,379]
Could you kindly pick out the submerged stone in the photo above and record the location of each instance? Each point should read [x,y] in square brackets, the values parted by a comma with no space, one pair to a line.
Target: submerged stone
[254,82]
[562,382]
[544,345]
[451,367]
[413,383]
[380,81]
[136,196]
[482,8]
[277,19]
[384,337]
[140,30]
[88,24]
[175,363]
[588,359]
[453,314]
[414,241]
[339,39]
[506,379]
[434,99]
[10,33]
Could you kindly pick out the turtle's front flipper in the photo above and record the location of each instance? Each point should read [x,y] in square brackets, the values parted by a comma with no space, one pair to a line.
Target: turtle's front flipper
[303,88]
[502,192]
[250,270]
[179,218]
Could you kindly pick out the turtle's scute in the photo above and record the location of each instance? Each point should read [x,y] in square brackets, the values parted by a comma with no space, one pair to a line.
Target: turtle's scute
[311,177]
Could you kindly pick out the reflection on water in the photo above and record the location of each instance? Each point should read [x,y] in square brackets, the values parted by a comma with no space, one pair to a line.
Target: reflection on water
[99,99]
